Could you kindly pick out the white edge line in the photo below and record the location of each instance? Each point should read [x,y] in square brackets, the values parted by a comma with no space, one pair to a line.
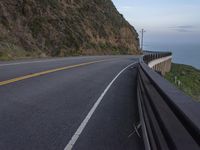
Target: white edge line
[32,62]
[78,132]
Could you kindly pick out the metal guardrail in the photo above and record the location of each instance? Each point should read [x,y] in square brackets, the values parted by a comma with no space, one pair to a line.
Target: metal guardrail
[170,119]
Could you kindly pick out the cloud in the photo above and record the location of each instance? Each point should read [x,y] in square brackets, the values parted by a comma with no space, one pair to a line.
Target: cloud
[186,27]
[183,28]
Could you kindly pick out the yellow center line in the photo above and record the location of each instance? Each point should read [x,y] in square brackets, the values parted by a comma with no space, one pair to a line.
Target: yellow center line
[47,72]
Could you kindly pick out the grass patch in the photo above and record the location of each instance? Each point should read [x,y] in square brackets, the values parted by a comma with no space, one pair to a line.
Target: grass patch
[10,51]
[186,78]
[4,56]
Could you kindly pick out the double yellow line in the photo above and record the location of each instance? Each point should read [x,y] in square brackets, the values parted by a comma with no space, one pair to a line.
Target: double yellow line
[46,72]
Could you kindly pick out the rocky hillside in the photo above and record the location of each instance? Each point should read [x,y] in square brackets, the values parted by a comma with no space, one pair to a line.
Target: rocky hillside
[63,27]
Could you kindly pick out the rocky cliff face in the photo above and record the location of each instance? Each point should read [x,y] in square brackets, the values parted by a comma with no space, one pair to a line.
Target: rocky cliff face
[64,27]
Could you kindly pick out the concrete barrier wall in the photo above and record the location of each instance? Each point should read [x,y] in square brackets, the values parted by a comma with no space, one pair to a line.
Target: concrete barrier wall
[161,65]
[159,61]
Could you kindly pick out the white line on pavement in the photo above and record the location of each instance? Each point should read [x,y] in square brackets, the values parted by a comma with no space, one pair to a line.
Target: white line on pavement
[78,132]
[29,62]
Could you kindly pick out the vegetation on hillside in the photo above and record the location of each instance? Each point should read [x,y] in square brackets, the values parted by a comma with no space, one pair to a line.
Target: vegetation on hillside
[186,78]
[63,28]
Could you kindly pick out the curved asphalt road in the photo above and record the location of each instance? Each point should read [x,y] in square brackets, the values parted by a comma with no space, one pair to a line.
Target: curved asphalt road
[43,112]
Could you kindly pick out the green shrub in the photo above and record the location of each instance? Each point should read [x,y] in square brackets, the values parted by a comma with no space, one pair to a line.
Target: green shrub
[188,77]
[36,25]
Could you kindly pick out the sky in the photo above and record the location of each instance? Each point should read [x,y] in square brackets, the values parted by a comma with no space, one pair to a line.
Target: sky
[170,21]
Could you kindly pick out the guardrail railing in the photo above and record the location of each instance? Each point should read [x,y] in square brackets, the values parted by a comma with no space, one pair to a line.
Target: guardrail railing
[149,56]
[170,119]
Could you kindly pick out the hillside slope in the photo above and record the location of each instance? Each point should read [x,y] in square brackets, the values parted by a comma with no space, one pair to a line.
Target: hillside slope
[64,27]
[186,78]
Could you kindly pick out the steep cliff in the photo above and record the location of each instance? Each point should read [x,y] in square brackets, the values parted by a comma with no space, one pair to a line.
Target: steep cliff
[64,27]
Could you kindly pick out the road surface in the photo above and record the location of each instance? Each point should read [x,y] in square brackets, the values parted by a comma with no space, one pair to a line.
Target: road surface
[84,103]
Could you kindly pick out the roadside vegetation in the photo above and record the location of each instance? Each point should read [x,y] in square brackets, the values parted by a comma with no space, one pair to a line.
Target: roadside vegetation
[60,28]
[186,78]
[11,52]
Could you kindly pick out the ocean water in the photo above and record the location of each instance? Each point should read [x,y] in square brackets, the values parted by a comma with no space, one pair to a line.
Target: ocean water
[183,53]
